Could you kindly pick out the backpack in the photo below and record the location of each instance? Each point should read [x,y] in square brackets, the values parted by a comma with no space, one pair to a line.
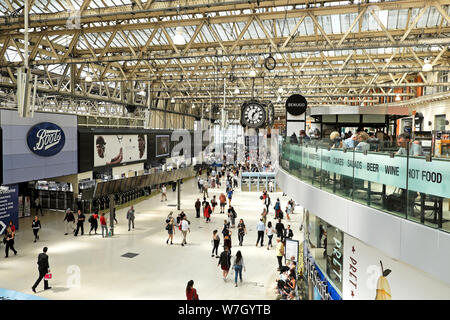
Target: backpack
[179,227]
[234,214]
[167,227]
[280,214]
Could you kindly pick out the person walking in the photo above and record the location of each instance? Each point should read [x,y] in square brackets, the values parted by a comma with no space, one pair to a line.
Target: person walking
[260,228]
[38,205]
[227,241]
[191,293]
[223,202]
[215,242]
[184,230]
[226,227]
[280,252]
[238,265]
[264,216]
[280,229]
[114,216]
[269,232]
[12,226]
[9,242]
[267,202]
[104,225]
[163,193]
[213,203]
[242,231]
[43,268]
[130,217]
[207,211]
[230,196]
[70,222]
[36,225]
[197,206]
[170,227]
[205,188]
[277,208]
[232,215]
[80,223]
[93,220]
[225,262]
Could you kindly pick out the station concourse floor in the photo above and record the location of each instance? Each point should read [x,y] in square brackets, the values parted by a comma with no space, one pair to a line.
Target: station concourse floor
[159,271]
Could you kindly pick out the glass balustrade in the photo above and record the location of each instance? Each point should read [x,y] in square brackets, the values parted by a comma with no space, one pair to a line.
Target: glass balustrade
[412,187]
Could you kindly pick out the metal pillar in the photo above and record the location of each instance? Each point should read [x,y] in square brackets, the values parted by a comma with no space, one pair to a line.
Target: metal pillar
[178,194]
[111,213]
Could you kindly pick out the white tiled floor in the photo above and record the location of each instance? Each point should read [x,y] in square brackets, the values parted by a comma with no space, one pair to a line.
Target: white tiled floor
[160,271]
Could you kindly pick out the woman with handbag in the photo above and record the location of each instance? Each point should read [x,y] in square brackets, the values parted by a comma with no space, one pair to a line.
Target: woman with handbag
[9,241]
[191,293]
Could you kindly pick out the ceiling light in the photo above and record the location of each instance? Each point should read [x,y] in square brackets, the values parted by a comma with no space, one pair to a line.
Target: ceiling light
[237,91]
[193,106]
[178,39]
[252,73]
[279,99]
[172,100]
[142,92]
[397,98]
[427,67]
[280,90]
[88,78]
[278,118]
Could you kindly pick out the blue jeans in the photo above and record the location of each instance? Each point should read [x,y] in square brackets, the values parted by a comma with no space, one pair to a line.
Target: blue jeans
[237,270]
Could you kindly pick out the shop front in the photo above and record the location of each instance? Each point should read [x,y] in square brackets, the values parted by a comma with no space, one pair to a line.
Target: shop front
[322,259]
[37,149]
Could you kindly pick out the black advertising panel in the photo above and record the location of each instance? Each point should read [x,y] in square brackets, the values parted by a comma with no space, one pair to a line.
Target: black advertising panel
[296,105]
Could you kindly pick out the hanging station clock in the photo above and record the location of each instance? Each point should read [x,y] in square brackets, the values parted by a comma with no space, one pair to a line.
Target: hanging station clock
[253,114]
[270,63]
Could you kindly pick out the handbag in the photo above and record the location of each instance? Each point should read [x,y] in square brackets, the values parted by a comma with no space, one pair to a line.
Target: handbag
[48,276]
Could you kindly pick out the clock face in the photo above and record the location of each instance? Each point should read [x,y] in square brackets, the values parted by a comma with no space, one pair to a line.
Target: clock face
[254,115]
[270,63]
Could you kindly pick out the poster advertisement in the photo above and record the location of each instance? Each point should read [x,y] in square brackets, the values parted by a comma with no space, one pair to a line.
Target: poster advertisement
[20,206]
[162,145]
[369,274]
[27,206]
[9,207]
[119,148]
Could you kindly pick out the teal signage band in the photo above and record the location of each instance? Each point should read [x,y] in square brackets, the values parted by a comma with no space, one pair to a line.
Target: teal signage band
[422,176]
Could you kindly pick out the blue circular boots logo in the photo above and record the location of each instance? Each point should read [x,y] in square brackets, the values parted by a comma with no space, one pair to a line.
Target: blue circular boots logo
[46,139]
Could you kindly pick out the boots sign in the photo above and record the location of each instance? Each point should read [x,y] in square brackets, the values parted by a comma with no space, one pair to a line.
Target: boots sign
[46,139]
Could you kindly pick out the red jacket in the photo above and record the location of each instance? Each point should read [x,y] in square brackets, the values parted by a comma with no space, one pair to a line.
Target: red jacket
[192,294]
[103,220]
[206,212]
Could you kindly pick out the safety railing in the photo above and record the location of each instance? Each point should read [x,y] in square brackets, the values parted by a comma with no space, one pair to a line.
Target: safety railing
[392,179]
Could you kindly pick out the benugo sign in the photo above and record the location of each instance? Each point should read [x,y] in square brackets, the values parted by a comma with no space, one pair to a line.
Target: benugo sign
[369,274]
[423,176]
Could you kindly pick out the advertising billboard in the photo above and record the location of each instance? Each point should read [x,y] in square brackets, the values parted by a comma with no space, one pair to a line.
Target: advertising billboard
[37,148]
[162,145]
[114,149]
[369,274]
[9,207]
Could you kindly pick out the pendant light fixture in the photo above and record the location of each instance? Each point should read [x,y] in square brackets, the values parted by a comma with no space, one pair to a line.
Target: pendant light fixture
[427,67]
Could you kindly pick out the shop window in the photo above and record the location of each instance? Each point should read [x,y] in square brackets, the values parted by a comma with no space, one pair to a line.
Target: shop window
[439,122]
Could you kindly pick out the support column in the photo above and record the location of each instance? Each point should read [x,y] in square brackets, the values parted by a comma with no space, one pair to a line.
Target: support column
[178,194]
[111,213]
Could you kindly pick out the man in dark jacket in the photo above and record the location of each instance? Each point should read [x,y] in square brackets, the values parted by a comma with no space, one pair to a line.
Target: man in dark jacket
[198,205]
[80,223]
[43,268]
[279,227]
[70,221]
